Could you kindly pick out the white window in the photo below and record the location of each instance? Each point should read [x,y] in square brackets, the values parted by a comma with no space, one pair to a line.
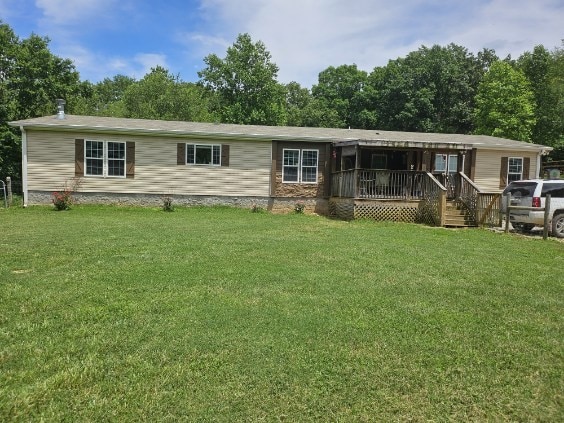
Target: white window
[514,169]
[300,166]
[203,154]
[104,158]
[446,161]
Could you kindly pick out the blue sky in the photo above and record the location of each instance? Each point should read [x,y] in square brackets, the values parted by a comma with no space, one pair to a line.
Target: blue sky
[109,37]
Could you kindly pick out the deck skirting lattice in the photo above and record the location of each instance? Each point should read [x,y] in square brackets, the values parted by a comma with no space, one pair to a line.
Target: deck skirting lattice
[381,210]
[396,213]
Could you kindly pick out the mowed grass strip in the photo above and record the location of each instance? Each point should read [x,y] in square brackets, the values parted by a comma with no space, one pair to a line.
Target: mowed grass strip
[219,314]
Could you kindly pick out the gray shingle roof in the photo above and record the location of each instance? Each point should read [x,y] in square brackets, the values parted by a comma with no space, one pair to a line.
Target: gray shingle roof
[269,133]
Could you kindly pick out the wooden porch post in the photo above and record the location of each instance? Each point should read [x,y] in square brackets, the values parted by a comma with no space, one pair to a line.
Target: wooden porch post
[356,168]
[442,207]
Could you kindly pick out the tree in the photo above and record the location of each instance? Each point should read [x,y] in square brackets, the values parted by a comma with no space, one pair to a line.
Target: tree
[505,105]
[340,89]
[104,98]
[160,95]
[302,109]
[556,82]
[245,84]
[297,99]
[430,90]
[541,69]
[31,78]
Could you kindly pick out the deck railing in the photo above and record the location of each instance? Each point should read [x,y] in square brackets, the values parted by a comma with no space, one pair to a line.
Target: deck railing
[433,207]
[375,184]
[488,209]
[468,197]
[484,208]
[394,185]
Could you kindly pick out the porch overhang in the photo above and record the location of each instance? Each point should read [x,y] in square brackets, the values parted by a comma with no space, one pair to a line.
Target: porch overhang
[421,145]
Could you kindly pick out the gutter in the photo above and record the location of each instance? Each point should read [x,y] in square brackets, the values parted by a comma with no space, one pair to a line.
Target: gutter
[184,134]
[24,166]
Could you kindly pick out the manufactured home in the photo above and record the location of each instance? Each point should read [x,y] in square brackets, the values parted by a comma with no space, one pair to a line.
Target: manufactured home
[441,179]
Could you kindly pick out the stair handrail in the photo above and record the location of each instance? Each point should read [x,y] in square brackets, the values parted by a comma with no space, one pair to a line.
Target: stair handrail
[470,181]
[468,197]
[481,205]
[434,201]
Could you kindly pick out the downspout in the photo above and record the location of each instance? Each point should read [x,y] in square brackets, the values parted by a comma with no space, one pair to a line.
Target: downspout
[24,166]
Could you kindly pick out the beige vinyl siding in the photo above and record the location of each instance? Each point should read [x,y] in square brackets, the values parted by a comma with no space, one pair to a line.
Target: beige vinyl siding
[51,163]
[488,166]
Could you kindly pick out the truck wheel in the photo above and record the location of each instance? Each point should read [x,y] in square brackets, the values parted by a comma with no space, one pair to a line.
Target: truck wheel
[558,226]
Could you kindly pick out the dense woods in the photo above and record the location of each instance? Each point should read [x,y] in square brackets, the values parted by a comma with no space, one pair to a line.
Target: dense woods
[434,89]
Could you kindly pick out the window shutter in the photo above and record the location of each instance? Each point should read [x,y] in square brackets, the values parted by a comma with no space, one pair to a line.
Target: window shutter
[79,157]
[526,167]
[181,153]
[503,172]
[224,154]
[130,159]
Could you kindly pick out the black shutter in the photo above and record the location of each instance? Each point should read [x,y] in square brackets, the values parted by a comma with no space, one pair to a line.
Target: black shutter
[224,154]
[526,167]
[79,157]
[130,159]
[181,153]
[503,172]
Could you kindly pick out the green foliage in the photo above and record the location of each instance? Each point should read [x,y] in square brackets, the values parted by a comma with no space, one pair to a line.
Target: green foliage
[160,95]
[168,205]
[31,78]
[545,74]
[505,105]
[430,90]
[303,109]
[255,208]
[245,84]
[339,89]
[62,200]
[105,98]
[216,314]
[299,207]
[10,153]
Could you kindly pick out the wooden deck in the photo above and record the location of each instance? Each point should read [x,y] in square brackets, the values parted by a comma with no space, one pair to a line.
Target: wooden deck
[412,196]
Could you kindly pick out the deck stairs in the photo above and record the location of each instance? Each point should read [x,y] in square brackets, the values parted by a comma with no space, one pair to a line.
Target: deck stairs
[457,217]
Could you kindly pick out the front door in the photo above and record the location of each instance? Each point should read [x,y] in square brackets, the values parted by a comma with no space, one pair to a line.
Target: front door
[446,168]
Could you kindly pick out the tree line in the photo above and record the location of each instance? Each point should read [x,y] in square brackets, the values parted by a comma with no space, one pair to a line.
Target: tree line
[434,89]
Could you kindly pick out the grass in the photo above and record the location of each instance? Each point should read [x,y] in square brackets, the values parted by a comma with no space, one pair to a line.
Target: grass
[216,314]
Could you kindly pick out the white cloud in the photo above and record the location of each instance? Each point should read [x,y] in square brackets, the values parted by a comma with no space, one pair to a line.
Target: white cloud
[146,61]
[74,12]
[307,36]
[95,67]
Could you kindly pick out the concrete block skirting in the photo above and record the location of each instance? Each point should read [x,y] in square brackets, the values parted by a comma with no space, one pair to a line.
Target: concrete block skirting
[277,205]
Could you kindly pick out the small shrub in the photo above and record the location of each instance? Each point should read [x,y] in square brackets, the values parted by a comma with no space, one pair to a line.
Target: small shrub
[299,207]
[62,200]
[255,208]
[167,204]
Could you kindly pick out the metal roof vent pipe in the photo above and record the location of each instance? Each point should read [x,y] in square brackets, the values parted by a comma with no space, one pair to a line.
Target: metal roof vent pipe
[61,108]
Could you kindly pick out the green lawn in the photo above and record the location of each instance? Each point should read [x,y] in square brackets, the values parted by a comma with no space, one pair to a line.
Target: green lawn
[217,314]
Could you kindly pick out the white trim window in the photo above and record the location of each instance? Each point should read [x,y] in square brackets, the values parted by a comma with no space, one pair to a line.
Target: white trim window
[105,158]
[514,169]
[446,161]
[300,166]
[203,154]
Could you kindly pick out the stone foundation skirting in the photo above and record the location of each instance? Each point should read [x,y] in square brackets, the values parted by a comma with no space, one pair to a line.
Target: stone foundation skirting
[277,205]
